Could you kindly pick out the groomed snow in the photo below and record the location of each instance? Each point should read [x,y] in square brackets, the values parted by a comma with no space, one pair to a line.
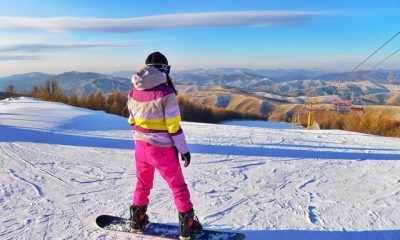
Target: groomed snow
[260,124]
[62,166]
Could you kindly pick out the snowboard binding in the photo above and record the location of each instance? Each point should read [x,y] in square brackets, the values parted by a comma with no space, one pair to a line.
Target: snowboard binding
[138,218]
[189,225]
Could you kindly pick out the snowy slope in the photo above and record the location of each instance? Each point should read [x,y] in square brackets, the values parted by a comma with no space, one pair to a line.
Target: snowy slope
[61,166]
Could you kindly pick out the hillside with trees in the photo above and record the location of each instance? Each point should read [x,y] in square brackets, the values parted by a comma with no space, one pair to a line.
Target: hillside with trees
[115,103]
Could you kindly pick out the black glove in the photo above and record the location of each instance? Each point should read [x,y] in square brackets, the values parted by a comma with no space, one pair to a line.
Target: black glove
[186,157]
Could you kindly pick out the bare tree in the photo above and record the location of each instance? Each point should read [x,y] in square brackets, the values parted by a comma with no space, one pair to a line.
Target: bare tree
[10,91]
[52,91]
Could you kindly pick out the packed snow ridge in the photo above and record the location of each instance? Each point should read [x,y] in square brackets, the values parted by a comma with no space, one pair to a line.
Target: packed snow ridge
[62,166]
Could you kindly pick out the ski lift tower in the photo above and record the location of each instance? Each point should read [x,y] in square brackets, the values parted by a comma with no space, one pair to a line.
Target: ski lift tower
[307,109]
[312,107]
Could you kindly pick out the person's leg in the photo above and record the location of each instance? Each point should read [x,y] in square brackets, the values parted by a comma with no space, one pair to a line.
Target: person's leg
[167,164]
[144,175]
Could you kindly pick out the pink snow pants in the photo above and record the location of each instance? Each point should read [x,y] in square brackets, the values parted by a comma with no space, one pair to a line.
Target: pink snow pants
[148,158]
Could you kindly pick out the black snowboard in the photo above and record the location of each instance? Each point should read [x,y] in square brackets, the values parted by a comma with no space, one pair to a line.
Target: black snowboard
[162,230]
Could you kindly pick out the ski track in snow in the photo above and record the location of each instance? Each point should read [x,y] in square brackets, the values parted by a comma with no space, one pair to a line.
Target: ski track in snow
[37,189]
[267,183]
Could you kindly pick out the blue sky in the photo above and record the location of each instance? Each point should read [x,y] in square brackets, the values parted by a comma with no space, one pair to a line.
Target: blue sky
[105,36]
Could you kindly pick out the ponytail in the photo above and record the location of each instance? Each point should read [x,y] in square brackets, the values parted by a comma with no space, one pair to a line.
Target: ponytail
[169,82]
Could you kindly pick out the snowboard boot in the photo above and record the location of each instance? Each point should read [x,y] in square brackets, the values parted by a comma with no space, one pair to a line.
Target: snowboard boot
[138,218]
[189,225]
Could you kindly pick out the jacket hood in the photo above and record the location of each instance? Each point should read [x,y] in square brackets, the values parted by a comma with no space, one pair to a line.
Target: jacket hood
[148,77]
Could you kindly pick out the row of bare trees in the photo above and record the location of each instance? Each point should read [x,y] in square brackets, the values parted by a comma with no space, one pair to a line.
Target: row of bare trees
[196,112]
[10,92]
[372,121]
[114,102]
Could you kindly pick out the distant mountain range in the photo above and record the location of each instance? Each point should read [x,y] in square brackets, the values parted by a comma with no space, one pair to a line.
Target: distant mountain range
[243,78]
[80,83]
[377,86]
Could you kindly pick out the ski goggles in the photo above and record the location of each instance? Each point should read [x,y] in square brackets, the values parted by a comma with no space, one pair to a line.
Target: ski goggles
[162,67]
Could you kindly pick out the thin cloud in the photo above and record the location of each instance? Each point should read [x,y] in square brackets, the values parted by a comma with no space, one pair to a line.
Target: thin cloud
[39,47]
[18,57]
[188,20]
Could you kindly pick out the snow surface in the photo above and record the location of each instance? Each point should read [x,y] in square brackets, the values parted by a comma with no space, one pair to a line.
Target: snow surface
[62,166]
[260,124]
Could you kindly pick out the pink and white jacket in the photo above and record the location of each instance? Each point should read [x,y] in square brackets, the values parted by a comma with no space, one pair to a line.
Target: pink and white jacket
[153,110]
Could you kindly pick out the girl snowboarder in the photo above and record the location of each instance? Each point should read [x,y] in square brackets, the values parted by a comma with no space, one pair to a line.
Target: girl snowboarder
[155,119]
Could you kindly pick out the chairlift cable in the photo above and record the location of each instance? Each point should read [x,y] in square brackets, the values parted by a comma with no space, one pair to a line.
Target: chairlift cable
[372,54]
[385,59]
[394,36]
[375,52]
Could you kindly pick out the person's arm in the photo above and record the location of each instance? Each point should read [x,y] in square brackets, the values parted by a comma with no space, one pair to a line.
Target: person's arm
[131,119]
[173,123]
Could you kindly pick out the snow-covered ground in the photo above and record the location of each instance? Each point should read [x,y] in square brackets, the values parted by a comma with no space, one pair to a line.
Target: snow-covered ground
[61,166]
[260,124]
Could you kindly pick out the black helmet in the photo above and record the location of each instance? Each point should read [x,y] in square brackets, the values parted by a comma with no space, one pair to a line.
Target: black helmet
[158,60]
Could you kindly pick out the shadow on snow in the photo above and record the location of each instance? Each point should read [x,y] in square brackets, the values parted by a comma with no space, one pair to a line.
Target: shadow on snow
[15,134]
[322,235]
[289,153]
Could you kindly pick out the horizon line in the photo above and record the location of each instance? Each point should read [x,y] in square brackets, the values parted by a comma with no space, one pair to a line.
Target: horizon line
[209,69]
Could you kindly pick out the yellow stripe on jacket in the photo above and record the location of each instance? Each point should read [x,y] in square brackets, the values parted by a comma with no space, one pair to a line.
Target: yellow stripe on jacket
[131,121]
[172,125]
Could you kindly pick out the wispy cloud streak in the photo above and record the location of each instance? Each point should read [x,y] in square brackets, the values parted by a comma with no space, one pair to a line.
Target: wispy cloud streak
[39,47]
[18,57]
[170,21]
